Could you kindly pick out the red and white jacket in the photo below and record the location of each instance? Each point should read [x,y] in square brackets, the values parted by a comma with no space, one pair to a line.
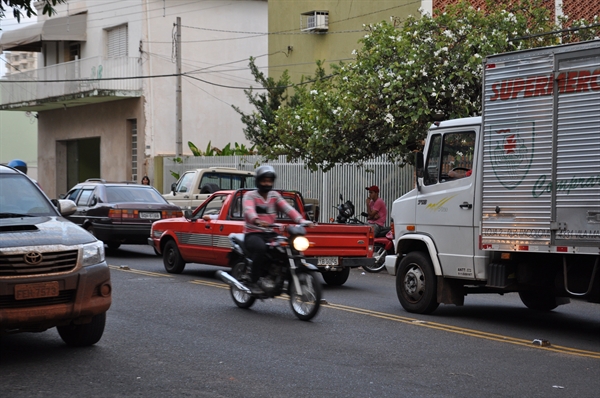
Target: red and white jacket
[258,208]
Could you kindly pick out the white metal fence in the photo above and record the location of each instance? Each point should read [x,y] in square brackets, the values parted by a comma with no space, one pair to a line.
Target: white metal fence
[348,180]
[26,86]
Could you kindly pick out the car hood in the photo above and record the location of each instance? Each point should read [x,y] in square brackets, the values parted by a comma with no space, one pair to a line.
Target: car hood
[33,231]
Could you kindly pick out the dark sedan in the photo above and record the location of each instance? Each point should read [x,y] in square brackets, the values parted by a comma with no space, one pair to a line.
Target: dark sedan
[119,212]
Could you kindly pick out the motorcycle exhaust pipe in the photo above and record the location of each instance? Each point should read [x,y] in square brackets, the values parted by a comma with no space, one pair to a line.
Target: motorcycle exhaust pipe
[231,281]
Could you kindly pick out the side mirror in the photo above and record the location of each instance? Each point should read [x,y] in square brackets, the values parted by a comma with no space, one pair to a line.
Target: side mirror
[419,163]
[94,201]
[66,207]
[173,187]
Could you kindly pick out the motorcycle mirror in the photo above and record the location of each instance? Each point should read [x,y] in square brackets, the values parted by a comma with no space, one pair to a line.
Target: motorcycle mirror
[341,198]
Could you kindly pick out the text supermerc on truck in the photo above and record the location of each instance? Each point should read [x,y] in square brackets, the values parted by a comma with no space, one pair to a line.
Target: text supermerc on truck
[525,216]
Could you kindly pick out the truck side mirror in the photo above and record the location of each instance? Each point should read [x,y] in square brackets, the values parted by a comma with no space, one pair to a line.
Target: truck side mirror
[173,187]
[419,163]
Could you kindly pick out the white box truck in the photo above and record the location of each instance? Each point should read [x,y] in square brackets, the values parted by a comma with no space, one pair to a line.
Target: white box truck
[509,201]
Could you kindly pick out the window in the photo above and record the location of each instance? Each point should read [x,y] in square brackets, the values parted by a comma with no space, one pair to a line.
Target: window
[185,183]
[84,197]
[450,156]
[227,181]
[117,42]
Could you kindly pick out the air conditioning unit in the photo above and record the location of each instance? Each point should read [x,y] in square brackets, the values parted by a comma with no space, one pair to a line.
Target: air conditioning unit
[315,21]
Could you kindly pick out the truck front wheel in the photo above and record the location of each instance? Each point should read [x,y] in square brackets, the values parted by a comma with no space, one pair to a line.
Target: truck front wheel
[416,284]
[83,335]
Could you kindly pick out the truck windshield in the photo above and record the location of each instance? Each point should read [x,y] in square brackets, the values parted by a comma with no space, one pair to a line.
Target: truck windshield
[20,197]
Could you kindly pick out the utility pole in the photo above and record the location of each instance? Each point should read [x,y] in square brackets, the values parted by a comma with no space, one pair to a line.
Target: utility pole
[178,127]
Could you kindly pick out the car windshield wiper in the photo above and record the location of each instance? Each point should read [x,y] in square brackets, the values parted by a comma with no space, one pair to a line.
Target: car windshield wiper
[14,215]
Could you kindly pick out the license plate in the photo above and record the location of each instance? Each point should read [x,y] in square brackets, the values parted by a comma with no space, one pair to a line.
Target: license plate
[36,290]
[327,260]
[150,216]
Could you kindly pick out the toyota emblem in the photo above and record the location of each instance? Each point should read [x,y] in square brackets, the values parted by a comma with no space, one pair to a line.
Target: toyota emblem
[33,258]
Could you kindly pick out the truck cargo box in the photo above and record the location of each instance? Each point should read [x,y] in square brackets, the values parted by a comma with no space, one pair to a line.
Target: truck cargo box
[541,152]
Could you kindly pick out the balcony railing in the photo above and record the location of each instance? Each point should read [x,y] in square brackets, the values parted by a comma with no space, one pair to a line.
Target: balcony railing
[73,77]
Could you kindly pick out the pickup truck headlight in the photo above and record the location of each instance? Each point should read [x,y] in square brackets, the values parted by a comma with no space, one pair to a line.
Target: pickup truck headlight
[300,243]
[93,253]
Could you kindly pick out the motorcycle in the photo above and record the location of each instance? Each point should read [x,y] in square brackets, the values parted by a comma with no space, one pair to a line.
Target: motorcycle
[383,243]
[285,271]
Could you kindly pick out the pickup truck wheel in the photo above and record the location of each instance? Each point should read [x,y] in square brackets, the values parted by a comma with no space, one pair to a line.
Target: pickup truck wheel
[379,254]
[83,335]
[336,278]
[240,298]
[113,245]
[416,285]
[538,301]
[172,260]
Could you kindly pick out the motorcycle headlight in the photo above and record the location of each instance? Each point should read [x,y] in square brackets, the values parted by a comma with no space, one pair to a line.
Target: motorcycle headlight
[93,253]
[300,243]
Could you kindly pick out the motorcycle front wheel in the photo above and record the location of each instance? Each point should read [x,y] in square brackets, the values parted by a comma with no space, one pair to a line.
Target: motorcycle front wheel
[240,298]
[379,254]
[305,304]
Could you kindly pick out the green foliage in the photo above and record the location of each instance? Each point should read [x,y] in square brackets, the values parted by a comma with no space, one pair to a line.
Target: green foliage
[237,150]
[404,75]
[24,7]
[267,103]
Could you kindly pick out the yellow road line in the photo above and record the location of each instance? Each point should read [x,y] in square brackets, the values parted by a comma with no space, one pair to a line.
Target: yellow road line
[137,271]
[412,321]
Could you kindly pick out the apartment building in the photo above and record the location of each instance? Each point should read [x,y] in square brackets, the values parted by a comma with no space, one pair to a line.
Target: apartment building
[105,91]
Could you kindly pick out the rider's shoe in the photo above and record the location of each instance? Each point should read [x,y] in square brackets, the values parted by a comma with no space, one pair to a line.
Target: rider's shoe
[254,288]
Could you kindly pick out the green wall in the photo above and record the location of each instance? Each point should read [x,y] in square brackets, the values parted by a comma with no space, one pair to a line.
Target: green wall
[297,52]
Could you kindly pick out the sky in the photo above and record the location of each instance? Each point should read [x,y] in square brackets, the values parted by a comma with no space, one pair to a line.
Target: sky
[9,23]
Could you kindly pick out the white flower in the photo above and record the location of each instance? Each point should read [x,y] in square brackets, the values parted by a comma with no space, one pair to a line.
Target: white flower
[313,92]
[387,84]
[354,52]
[297,117]
[389,118]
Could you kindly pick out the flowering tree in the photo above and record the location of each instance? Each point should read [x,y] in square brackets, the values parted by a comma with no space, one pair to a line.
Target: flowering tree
[25,6]
[404,76]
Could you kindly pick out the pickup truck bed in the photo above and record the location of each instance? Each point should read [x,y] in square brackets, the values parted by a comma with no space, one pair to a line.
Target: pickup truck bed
[336,249]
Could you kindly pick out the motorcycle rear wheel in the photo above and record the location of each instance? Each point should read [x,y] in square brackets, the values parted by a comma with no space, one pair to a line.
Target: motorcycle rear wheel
[379,254]
[305,304]
[240,298]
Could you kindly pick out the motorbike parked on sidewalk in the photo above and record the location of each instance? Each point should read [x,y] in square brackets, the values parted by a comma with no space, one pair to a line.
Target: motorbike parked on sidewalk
[285,271]
[383,243]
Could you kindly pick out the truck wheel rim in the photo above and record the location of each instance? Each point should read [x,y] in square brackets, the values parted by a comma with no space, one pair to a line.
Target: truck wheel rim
[414,283]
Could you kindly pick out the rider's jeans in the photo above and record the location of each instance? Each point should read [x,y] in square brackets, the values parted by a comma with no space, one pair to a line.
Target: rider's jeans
[256,244]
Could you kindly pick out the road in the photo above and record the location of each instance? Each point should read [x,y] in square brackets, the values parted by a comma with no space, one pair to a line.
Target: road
[181,335]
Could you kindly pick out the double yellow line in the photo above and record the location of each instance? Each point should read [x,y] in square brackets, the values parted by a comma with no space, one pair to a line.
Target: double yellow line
[411,321]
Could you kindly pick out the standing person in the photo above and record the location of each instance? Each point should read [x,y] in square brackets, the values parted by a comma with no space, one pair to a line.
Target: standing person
[145,180]
[260,211]
[376,209]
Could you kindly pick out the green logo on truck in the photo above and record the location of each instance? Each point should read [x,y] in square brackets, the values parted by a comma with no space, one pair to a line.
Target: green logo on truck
[512,154]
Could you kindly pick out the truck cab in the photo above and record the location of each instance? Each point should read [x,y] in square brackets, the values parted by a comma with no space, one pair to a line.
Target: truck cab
[195,186]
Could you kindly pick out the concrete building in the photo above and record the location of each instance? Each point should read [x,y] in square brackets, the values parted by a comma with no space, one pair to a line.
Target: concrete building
[105,88]
[18,130]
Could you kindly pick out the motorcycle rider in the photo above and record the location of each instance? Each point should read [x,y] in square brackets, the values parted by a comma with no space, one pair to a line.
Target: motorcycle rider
[260,211]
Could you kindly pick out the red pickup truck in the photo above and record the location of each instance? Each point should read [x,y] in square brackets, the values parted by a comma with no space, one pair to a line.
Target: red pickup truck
[336,247]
